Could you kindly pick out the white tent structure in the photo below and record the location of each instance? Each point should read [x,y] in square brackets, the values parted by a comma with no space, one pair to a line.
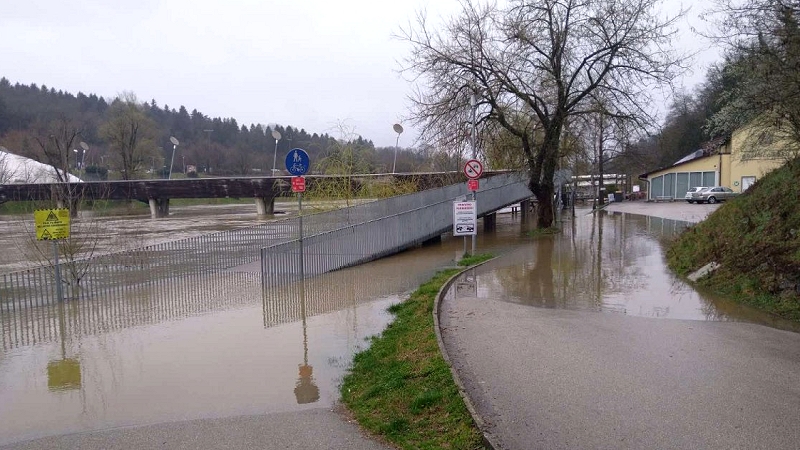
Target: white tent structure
[15,169]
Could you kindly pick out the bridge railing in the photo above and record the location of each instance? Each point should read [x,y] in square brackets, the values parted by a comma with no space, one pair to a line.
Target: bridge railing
[334,239]
[381,228]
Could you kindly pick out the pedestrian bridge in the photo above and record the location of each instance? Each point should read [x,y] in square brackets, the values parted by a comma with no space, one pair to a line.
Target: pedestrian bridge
[283,251]
[264,190]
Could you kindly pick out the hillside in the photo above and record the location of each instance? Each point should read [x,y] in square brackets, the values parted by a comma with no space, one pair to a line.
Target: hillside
[31,115]
[756,240]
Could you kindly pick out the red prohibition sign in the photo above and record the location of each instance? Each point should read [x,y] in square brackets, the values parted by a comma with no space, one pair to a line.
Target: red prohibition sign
[473,169]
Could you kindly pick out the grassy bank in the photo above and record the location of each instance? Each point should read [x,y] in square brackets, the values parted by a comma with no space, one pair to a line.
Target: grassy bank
[756,240]
[401,388]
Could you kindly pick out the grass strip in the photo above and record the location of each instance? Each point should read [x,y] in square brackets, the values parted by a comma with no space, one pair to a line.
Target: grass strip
[401,388]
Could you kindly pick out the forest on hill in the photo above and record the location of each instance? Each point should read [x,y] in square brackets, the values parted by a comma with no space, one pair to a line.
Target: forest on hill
[132,138]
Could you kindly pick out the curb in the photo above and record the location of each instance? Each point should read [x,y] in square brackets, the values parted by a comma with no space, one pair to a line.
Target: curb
[488,442]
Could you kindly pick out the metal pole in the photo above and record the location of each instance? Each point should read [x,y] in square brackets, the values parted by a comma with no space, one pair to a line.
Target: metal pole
[300,212]
[172,161]
[474,154]
[59,293]
[396,143]
[274,157]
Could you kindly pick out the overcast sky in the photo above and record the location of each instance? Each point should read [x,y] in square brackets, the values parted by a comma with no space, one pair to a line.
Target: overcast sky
[312,64]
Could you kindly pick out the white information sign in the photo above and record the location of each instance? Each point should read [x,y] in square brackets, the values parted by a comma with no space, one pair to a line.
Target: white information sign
[465,218]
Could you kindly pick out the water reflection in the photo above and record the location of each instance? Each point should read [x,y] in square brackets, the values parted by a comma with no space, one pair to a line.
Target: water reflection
[63,373]
[306,391]
[131,307]
[607,262]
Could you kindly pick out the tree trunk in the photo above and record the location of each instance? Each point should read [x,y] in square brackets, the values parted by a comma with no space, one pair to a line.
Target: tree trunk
[542,170]
[599,155]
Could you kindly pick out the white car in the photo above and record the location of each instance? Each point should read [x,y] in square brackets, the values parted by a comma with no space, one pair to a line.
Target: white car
[688,196]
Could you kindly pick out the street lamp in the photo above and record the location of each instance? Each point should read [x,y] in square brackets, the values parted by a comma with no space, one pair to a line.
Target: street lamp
[397,129]
[172,161]
[277,135]
[85,148]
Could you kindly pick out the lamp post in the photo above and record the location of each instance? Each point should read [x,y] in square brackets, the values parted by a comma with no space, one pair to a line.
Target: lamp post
[85,149]
[277,135]
[172,161]
[397,129]
[208,145]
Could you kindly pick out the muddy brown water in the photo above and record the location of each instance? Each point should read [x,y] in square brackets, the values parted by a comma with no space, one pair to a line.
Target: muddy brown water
[223,346]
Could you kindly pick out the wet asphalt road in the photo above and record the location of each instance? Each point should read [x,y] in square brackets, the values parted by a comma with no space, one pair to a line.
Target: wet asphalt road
[560,379]
[304,430]
[552,379]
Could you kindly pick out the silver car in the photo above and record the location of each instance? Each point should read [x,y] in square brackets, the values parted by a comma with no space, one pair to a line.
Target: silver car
[688,196]
[714,194]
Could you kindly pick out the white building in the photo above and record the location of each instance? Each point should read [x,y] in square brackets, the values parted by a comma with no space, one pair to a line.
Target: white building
[15,169]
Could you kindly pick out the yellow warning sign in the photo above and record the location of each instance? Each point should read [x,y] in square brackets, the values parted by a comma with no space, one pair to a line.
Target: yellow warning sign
[51,224]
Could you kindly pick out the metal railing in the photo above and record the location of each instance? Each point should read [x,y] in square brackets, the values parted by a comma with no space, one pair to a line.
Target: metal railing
[381,228]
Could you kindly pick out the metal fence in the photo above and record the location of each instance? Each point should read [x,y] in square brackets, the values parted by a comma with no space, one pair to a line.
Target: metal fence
[381,228]
[332,240]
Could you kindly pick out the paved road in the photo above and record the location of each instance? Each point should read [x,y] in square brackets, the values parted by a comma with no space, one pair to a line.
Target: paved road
[668,210]
[559,379]
[307,430]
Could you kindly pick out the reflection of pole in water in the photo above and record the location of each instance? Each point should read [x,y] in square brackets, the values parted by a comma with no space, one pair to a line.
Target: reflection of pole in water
[305,390]
[65,373]
[599,260]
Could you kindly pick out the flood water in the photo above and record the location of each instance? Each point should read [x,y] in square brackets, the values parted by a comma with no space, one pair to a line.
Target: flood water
[221,345]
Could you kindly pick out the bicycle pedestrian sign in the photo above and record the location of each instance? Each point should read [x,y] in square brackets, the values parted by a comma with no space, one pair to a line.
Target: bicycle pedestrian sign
[297,162]
[473,169]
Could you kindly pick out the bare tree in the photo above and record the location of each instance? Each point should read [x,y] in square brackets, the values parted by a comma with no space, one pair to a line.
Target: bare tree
[606,136]
[532,66]
[56,141]
[130,134]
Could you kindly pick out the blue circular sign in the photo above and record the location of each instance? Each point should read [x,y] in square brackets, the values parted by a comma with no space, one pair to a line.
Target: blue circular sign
[297,162]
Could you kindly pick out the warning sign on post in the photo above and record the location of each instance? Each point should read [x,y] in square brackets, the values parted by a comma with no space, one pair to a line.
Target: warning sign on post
[465,218]
[51,224]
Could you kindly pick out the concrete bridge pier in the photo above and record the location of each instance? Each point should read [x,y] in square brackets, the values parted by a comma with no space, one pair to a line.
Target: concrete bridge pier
[265,206]
[159,207]
[490,222]
[525,209]
[71,205]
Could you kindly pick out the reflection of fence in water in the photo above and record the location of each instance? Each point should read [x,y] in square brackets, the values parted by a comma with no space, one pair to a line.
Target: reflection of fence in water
[336,290]
[147,304]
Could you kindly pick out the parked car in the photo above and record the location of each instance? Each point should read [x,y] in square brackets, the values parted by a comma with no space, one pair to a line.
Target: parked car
[688,196]
[714,194]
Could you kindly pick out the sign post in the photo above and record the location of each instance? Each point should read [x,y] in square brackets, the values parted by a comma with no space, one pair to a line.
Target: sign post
[53,225]
[297,164]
